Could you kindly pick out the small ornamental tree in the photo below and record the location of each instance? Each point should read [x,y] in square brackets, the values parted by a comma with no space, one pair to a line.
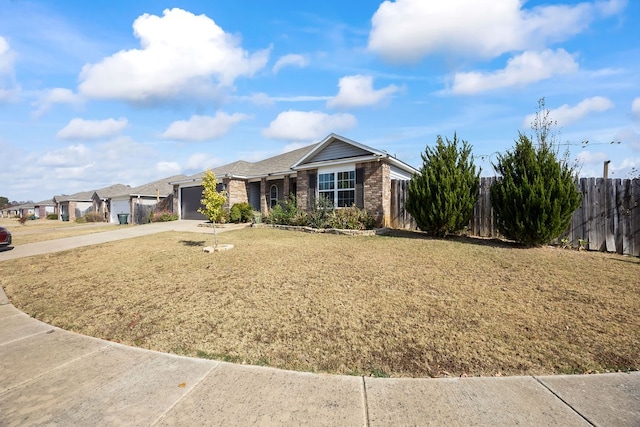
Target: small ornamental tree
[441,197]
[212,201]
[536,195]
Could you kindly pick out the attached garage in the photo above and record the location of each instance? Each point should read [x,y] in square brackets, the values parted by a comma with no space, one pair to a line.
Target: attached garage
[119,206]
[190,202]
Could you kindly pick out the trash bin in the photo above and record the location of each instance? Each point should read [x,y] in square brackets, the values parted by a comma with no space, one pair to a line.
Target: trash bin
[123,218]
[65,217]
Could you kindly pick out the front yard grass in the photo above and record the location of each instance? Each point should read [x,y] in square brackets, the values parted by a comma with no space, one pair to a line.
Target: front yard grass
[40,230]
[399,305]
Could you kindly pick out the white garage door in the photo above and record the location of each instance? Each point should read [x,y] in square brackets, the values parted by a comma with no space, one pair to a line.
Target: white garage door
[119,206]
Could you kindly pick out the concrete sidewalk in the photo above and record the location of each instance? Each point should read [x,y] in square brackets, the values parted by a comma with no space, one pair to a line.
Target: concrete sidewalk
[49,376]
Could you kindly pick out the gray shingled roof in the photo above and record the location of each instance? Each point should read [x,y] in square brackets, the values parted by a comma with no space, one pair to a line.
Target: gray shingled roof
[272,165]
[149,189]
[85,196]
[112,190]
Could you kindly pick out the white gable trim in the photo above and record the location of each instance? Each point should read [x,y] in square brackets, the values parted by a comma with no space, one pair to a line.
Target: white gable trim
[328,140]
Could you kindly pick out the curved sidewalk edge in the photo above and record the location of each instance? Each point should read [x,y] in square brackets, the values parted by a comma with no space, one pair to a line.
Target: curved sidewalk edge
[48,375]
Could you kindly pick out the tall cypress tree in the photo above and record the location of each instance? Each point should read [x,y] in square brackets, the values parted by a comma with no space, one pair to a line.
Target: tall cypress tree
[536,195]
[441,197]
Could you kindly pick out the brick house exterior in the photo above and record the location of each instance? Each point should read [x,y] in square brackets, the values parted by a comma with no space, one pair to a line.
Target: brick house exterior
[344,171]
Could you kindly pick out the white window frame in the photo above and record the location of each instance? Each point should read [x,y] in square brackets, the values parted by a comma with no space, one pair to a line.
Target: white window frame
[335,170]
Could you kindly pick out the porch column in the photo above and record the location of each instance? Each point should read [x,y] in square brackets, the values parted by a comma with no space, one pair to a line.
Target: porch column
[286,188]
[264,206]
[72,211]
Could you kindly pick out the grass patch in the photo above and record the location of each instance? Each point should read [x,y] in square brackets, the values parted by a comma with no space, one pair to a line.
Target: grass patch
[43,229]
[399,305]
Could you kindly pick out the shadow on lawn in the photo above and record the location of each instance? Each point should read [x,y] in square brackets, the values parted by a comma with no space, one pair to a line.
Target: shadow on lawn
[628,259]
[481,241]
[193,243]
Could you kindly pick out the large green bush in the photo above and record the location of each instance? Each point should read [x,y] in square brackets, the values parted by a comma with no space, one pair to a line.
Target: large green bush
[323,215]
[535,195]
[441,197]
[241,212]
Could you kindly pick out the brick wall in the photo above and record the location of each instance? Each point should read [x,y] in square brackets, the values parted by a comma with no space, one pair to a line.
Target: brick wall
[175,207]
[237,192]
[377,191]
[302,188]
[72,211]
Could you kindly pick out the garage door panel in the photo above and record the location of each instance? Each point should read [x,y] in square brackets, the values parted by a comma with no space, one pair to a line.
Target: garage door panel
[190,199]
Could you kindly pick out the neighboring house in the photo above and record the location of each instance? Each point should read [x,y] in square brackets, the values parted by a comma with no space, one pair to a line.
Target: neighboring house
[138,202]
[102,199]
[11,211]
[19,211]
[344,171]
[40,209]
[44,208]
[70,207]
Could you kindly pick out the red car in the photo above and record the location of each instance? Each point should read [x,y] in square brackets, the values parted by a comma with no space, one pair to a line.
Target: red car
[5,237]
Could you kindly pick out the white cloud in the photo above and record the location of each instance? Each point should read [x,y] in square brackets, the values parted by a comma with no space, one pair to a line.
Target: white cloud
[8,87]
[529,67]
[611,7]
[56,96]
[168,168]
[567,114]
[201,161]
[307,125]
[357,91]
[591,158]
[179,56]
[80,129]
[6,57]
[408,30]
[203,128]
[70,156]
[292,59]
[635,108]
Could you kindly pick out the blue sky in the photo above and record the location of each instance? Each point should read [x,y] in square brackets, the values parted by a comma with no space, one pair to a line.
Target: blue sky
[98,93]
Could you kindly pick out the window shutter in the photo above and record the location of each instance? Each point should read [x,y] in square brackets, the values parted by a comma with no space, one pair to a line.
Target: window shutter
[360,188]
[311,194]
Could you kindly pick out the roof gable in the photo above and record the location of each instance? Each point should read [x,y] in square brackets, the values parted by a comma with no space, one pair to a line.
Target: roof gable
[336,147]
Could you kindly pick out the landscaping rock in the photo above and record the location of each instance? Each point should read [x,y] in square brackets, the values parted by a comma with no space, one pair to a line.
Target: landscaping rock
[219,248]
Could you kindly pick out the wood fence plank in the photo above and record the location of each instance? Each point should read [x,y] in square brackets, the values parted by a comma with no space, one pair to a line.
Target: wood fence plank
[608,218]
[608,195]
[634,247]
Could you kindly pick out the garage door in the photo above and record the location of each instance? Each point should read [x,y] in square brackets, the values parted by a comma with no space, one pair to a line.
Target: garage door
[117,207]
[190,199]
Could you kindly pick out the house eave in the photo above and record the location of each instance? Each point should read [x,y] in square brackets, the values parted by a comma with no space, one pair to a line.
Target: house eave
[346,160]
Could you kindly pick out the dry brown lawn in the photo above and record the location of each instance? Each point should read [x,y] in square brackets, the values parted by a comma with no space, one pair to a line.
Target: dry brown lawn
[399,305]
[44,229]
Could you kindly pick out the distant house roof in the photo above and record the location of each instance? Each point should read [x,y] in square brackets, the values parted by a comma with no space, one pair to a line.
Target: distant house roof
[160,187]
[87,196]
[112,190]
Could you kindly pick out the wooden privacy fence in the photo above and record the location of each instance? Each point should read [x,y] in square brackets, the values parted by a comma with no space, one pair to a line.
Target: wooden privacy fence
[607,220]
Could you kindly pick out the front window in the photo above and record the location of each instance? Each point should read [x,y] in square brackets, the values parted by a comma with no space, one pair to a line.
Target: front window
[338,187]
[273,196]
[326,186]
